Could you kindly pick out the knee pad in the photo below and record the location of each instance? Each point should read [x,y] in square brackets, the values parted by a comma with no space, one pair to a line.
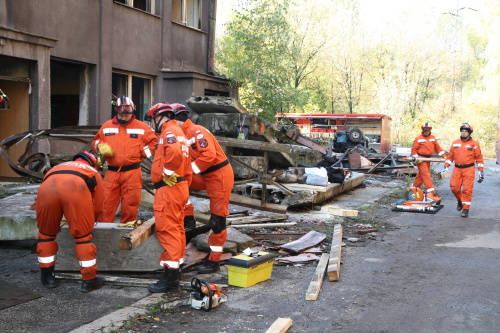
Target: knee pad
[217,223]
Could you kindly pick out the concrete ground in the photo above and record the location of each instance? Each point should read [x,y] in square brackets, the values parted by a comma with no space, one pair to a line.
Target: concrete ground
[428,273]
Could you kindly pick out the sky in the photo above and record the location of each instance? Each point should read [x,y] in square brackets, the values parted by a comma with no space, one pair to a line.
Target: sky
[377,14]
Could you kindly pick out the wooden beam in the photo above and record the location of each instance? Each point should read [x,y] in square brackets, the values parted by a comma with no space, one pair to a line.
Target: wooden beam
[281,325]
[333,269]
[136,237]
[265,225]
[317,280]
[123,281]
[246,202]
[256,219]
[342,212]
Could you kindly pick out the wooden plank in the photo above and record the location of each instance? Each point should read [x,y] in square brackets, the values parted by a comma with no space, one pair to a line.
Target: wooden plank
[123,281]
[280,325]
[317,280]
[200,217]
[256,219]
[264,225]
[136,237]
[333,269]
[312,238]
[342,212]
[246,202]
[275,236]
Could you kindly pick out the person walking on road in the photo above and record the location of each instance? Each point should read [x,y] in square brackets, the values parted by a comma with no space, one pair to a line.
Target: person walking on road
[425,145]
[73,189]
[168,173]
[465,153]
[123,141]
[213,173]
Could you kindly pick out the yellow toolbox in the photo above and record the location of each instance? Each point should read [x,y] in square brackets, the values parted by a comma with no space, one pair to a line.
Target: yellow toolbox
[245,271]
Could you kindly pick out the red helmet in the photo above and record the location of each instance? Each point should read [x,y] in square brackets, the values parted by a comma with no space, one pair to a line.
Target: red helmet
[467,127]
[426,126]
[178,108]
[159,109]
[124,105]
[88,157]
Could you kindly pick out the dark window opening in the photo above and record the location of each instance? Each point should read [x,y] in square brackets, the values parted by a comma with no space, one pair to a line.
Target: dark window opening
[65,94]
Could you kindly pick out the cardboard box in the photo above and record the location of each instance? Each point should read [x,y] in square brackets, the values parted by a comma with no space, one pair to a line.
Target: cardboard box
[245,271]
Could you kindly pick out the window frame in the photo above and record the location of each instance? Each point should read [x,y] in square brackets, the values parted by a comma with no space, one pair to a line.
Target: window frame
[188,13]
[148,96]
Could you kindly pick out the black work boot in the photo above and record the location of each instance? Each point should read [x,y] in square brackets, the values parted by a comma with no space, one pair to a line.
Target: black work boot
[189,222]
[169,281]
[89,285]
[459,205]
[465,213]
[209,267]
[48,277]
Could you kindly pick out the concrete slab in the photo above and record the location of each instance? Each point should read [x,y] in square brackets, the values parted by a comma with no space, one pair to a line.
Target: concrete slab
[17,218]
[107,236]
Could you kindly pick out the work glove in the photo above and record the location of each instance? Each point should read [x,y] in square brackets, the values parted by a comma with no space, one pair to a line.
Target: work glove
[418,161]
[105,149]
[481,177]
[131,224]
[170,181]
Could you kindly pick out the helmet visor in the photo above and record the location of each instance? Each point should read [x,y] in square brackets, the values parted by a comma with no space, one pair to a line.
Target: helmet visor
[124,109]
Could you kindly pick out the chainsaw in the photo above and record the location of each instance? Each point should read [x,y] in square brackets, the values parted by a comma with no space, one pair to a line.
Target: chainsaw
[206,295]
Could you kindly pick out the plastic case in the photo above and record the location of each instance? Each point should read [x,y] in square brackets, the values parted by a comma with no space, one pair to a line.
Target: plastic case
[245,271]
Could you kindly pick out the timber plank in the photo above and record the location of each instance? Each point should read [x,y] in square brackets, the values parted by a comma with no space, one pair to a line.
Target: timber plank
[312,238]
[123,281]
[317,280]
[264,225]
[333,269]
[136,237]
[256,219]
[246,202]
[342,212]
[280,325]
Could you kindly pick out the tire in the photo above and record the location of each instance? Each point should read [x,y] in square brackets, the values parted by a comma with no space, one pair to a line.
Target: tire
[355,135]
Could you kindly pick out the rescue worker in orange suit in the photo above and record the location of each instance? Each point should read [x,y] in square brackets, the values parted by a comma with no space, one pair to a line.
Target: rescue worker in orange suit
[73,189]
[168,173]
[123,141]
[425,145]
[213,173]
[465,153]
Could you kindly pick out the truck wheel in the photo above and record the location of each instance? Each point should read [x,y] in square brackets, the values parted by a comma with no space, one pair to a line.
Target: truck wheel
[355,135]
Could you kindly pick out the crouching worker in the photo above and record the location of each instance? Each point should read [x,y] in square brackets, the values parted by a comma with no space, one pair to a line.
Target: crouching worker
[73,189]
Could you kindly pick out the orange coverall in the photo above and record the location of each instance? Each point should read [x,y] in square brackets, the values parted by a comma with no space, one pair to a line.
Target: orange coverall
[123,180]
[465,155]
[172,156]
[425,146]
[68,194]
[213,173]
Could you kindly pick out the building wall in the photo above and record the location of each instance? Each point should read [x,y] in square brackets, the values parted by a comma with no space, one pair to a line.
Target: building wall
[101,36]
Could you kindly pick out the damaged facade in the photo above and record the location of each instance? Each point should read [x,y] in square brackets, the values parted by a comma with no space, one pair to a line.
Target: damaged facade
[61,62]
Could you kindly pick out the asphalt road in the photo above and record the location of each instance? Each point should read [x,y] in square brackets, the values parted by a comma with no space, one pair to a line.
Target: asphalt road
[431,273]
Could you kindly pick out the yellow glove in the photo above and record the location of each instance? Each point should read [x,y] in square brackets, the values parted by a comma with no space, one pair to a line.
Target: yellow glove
[131,224]
[170,181]
[105,149]
[418,161]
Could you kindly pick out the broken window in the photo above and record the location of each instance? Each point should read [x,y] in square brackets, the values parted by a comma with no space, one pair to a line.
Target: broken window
[144,5]
[187,12]
[138,88]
